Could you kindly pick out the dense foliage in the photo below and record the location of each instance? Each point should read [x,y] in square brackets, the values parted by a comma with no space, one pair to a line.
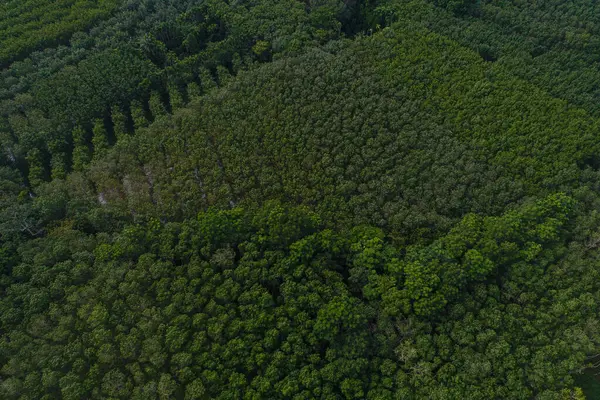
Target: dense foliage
[282,199]
[268,304]
[553,44]
[33,25]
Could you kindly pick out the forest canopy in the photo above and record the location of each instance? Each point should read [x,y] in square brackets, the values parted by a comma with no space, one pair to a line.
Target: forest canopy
[283,199]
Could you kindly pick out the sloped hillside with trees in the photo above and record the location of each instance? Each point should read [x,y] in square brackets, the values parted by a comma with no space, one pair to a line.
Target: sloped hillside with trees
[282,199]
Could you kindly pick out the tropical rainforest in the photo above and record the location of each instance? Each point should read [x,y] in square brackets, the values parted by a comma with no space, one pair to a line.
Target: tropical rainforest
[300,199]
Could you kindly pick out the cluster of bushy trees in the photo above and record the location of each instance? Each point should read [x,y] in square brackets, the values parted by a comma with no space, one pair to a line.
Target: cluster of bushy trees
[282,199]
[266,303]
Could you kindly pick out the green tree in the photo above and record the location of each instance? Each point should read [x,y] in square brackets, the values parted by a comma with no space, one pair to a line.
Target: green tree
[119,121]
[157,107]
[138,115]
[37,170]
[99,139]
[81,149]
